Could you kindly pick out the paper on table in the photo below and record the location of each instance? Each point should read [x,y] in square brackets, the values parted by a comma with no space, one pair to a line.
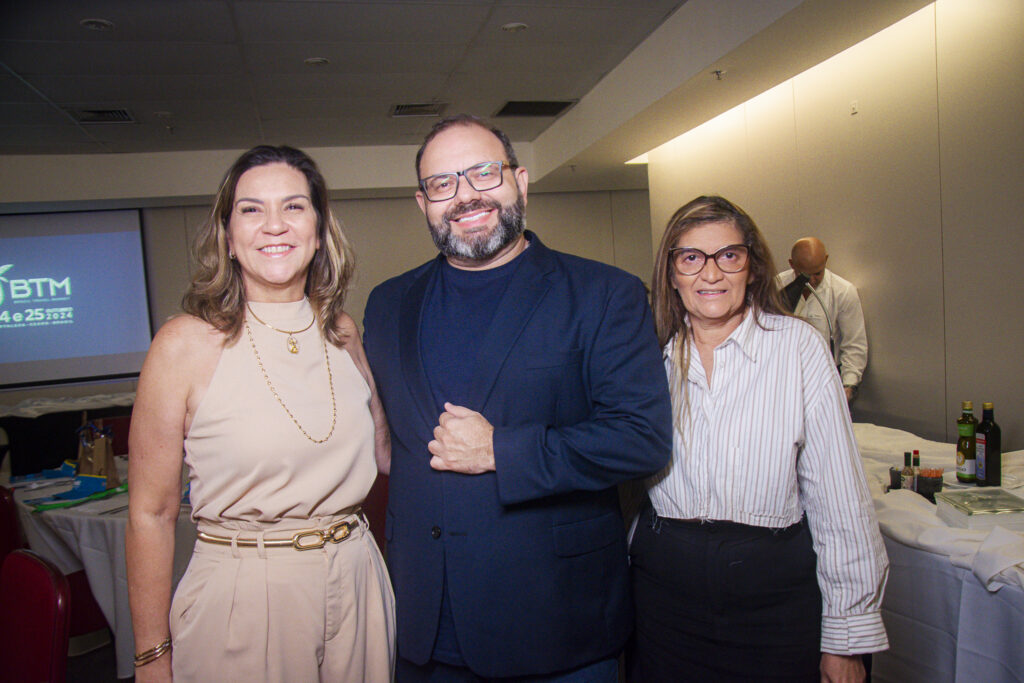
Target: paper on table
[36,484]
[95,507]
[74,502]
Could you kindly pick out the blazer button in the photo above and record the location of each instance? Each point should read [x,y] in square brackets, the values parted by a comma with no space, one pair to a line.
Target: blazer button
[435,533]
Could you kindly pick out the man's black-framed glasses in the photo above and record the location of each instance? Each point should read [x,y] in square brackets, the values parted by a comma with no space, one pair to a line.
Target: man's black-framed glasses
[690,261]
[484,176]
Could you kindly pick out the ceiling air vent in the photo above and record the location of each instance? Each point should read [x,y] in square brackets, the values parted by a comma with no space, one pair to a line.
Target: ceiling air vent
[102,115]
[534,108]
[431,109]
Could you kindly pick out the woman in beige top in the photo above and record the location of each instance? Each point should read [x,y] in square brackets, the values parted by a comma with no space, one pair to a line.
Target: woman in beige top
[265,388]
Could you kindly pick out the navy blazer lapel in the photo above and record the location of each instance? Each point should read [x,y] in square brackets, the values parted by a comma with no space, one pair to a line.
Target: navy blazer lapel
[526,290]
[410,316]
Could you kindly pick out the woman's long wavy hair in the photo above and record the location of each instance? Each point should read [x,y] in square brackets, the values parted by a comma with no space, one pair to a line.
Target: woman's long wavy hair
[762,293]
[217,292]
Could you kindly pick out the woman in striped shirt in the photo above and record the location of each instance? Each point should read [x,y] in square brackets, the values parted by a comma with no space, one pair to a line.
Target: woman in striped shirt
[759,557]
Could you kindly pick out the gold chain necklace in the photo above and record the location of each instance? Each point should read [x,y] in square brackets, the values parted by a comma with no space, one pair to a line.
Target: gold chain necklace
[330,380]
[293,344]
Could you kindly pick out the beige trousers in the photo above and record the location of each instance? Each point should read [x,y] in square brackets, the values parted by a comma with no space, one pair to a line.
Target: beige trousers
[280,615]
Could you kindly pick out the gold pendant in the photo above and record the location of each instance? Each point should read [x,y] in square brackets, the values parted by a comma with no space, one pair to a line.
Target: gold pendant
[293,345]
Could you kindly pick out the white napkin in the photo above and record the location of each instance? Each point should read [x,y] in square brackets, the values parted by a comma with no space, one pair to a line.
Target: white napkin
[995,556]
[910,519]
[1000,559]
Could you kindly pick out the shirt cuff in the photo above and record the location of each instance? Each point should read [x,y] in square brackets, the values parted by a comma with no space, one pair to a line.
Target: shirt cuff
[855,634]
[851,379]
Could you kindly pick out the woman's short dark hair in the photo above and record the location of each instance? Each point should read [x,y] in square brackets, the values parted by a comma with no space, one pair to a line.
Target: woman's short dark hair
[217,294]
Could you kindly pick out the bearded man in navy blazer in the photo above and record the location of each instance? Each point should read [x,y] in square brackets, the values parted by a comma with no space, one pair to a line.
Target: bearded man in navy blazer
[522,385]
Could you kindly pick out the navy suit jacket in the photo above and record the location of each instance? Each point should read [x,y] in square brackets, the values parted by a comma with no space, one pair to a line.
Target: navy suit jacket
[571,377]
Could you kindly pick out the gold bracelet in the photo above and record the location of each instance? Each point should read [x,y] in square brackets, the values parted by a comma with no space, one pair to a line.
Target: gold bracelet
[154,653]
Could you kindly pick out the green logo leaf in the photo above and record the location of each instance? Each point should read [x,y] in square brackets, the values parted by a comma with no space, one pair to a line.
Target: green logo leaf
[3,269]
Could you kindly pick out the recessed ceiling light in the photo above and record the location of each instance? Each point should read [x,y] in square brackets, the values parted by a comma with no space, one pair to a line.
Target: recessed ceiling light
[97,24]
[316,61]
[514,27]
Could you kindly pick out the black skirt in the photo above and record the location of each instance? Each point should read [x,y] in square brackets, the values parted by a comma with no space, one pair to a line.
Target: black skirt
[720,601]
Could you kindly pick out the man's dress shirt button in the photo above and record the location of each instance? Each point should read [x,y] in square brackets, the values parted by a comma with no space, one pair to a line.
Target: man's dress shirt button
[435,533]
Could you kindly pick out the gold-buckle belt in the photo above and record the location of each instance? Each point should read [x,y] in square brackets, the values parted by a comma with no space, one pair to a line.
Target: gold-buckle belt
[308,539]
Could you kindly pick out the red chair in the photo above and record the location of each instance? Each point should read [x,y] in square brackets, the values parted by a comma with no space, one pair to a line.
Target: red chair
[34,618]
[86,615]
[119,427]
[11,537]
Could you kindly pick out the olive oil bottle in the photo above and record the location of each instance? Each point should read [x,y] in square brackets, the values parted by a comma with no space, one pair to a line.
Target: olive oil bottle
[966,458]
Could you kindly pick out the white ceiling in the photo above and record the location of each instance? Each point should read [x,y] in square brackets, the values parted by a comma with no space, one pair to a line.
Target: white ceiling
[206,79]
[229,74]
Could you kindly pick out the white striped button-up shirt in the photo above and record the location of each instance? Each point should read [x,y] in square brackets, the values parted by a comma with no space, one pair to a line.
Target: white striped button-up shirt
[768,439]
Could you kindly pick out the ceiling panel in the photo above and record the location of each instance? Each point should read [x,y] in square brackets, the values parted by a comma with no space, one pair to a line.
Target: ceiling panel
[551,85]
[100,89]
[362,58]
[413,87]
[360,22]
[118,138]
[134,20]
[37,58]
[328,107]
[27,113]
[555,24]
[343,131]
[211,74]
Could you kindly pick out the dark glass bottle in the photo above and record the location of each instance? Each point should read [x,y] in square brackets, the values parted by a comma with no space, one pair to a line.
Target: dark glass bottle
[989,449]
[965,445]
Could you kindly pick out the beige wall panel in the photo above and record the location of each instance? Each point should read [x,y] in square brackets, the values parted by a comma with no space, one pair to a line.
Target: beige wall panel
[167,261]
[770,195]
[567,222]
[631,225]
[711,159]
[749,155]
[869,187]
[195,217]
[389,237]
[981,138]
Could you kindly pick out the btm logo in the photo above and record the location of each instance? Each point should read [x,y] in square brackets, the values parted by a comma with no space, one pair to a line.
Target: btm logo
[39,288]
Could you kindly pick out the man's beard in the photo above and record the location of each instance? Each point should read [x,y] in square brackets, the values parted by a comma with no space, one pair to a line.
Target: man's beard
[479,246]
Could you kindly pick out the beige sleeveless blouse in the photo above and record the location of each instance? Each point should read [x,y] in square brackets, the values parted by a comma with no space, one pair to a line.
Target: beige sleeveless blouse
[247,460]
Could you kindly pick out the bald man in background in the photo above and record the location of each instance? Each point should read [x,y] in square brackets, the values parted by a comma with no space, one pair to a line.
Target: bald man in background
[833,307]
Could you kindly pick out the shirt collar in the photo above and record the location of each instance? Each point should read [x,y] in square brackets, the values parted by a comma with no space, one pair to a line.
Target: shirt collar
[826,282]
[748,337]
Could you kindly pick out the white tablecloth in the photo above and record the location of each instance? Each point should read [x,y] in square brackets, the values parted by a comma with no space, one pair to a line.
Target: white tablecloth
[34,407]
[954,605]
[83,537]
